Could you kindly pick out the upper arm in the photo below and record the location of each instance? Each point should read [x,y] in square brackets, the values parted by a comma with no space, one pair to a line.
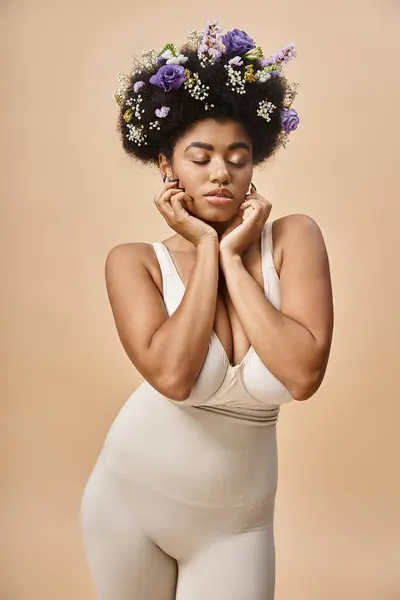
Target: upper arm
[136,302]
[306,291]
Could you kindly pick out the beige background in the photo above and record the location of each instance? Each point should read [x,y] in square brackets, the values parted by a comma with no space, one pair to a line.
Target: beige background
[70,194]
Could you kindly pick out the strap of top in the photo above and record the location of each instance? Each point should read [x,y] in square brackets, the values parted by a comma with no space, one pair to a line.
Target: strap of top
[268,246]
[168,268]
[164,258]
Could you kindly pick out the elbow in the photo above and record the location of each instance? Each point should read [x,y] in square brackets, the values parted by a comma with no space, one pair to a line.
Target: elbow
[302,393]
[174,389]
[305,388]
[309,380]
[178,394]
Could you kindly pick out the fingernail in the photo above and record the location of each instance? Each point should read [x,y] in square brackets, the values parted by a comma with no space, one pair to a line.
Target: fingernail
[172,180]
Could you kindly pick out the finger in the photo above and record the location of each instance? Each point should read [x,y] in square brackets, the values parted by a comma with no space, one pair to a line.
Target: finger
[165,209]
[177,205]
[165,196]
[163,202]
[250,202]
[256,203]
[167,185]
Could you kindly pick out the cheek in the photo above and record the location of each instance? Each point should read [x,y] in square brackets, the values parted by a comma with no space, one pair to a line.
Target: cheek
[190,179]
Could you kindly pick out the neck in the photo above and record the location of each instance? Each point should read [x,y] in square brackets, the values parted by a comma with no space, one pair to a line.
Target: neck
[219,227]
[183,244]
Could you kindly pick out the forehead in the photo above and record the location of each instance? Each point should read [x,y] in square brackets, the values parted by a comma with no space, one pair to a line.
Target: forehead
[217,134]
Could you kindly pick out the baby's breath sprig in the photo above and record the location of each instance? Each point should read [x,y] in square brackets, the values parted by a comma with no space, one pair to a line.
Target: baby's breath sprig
[194,39]
[196,88]
[137,134]
[291,94]
[235,80]
[154,125]
[145,62]
[135,110]
[122,90]
[265,109]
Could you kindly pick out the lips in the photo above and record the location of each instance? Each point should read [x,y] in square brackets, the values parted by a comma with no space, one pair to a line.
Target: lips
[221,193]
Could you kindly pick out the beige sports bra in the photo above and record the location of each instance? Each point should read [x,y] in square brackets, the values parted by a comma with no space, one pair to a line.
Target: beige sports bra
[247,390]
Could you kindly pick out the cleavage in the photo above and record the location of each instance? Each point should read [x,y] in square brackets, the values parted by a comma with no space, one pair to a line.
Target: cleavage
[227,326]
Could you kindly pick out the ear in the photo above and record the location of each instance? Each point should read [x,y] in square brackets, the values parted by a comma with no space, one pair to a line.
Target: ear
[164,165]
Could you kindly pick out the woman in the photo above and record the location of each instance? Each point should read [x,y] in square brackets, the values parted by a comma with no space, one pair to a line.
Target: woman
[226,320]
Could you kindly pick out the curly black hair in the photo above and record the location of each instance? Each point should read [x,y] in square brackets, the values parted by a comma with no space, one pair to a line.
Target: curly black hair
[185,111]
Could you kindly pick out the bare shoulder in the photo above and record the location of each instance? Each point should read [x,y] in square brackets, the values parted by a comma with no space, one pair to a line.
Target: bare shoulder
[295,232]
[296,225]
[133,257]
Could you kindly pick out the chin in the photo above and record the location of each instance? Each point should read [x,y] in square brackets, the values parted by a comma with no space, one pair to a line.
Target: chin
[214,214]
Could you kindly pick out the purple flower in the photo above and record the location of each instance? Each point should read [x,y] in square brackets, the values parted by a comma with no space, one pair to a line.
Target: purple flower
[266,62]
[236,60]
[289,119]
[169,77]
[137,86]
[237,42]
[162,112]
[282,56]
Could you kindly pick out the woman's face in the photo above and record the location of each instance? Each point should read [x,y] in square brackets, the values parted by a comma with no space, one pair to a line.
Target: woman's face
[214,156]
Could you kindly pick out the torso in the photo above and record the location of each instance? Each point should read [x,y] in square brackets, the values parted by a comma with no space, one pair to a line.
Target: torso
[226,324]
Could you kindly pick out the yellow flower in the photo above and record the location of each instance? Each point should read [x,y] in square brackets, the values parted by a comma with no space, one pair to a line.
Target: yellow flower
[254,54]
[249,74]
[128,115]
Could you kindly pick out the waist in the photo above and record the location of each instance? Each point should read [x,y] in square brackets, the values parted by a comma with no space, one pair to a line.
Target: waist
[267,417]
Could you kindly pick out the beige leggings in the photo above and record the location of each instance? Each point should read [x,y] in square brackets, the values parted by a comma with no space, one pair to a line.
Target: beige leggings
[180,506]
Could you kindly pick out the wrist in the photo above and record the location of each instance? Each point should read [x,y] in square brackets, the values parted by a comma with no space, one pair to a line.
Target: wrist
[229,259]
[209,241]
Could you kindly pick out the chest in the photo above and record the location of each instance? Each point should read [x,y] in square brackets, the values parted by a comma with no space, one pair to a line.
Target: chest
[227,325]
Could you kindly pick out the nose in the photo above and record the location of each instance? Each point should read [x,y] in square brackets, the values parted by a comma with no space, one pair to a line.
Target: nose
[219,173]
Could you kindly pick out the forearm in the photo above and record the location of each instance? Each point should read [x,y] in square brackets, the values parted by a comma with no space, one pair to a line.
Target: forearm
[285,346]
[180,345]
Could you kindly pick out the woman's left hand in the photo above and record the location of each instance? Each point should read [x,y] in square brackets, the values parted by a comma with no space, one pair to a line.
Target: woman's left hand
[245,229]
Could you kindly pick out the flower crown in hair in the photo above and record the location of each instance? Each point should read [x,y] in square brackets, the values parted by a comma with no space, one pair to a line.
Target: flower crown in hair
[211,45]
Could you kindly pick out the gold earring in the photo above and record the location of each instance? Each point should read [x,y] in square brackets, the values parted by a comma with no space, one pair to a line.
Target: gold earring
[251,188]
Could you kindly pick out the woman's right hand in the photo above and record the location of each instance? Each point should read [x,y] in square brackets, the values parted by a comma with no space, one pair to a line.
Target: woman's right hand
[169,202]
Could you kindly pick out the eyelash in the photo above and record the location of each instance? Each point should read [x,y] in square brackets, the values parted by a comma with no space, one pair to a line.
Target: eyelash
[204,162]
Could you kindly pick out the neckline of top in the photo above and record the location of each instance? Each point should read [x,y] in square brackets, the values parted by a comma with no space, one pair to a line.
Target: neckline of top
[263,269]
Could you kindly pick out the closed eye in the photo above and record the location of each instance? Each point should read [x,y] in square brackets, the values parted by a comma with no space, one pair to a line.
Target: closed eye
[204,162]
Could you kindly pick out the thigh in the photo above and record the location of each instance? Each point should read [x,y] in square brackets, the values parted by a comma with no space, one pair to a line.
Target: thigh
[233,568]
[124,563]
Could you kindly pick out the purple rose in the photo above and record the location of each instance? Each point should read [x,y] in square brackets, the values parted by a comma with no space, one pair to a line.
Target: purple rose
[237,42]
[289,119]
[169,77]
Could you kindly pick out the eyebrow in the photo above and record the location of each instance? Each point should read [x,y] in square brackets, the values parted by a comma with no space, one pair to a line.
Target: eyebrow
[204,146]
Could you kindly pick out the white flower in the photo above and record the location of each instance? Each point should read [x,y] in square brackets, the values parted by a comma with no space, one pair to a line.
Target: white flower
[177,60]
[265,109]
[263,77]
[167,54]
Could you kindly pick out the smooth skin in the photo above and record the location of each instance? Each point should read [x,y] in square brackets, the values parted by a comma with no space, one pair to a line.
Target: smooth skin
[216,249]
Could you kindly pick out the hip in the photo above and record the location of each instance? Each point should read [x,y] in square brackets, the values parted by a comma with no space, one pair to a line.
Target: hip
[154,441]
